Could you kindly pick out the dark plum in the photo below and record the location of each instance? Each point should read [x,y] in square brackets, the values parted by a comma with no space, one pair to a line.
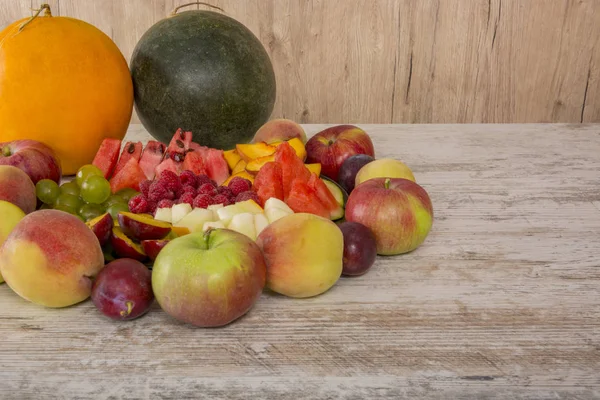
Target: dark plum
[350,168]
[360,248]
[123,289]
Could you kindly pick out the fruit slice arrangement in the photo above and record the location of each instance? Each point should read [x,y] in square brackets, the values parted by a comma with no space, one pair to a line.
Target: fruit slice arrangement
[246,217]
[130,166]
[286,178]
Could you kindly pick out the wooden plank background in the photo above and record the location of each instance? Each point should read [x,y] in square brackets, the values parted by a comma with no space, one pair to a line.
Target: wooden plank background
[400,61]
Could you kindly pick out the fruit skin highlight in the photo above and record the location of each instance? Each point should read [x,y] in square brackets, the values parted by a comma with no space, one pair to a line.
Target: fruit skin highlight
[50,258]
[16,187]
[209,279]
[303,253]
[398,211]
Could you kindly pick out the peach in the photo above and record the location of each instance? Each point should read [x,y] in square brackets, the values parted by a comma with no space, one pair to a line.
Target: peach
[249,152]
[16,187]
[303,253]
[279,130]
[50,258]
[11,215]
[232,157]
[384,168]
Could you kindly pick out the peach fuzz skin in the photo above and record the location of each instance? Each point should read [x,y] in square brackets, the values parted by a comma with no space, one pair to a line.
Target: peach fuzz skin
[50,257]
[400,216]
[303,253]
[16,187]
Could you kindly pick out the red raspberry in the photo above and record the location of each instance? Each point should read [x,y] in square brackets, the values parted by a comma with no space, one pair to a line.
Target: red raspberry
[188,178]
[221,199]
[189,189]
[170,180]
[158,191]
[202,201]
[152,206]
[138,204]
[226,191]
[207,188]
[239,185]
[186,198]
[145,187]
[165,203]
[202,179]
[247,195]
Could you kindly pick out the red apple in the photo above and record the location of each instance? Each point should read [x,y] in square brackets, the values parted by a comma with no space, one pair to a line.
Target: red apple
[332,146]
[397,210]
[35,158]
[209,279]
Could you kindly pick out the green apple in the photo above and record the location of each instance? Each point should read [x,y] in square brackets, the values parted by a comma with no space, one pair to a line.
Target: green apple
[11,215]
[209,279]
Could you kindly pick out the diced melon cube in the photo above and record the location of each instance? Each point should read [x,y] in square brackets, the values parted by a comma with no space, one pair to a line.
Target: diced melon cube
[215,207]
[178,211]
[195,220]
[243,223]
[260,223]
[212,224]
[274,202]
[163,214]
[274,213]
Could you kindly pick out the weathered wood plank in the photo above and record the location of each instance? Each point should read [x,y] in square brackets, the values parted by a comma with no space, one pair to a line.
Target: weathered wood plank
[408,61]
[501,301]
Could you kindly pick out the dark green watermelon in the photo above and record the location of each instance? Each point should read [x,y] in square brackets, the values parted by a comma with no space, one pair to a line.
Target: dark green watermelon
[203,72]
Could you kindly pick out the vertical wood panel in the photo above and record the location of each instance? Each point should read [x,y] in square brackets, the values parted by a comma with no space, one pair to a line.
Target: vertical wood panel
[384,61]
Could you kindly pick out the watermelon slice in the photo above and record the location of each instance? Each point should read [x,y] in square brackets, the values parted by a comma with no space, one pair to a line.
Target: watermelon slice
[216,166]
[193,162]
[129,176]
[303,199]
[130,150]
[151,157]
[325,197]
[180,143]
[202,150]
[292,167]
[107,156]
[268,182]
[169,164]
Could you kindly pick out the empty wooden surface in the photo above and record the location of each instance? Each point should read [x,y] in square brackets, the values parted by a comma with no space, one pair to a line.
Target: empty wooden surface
[415,61]
[502,301]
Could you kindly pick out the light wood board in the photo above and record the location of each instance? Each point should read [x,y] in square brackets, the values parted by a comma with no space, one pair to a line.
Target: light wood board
[502,301]
[399,61]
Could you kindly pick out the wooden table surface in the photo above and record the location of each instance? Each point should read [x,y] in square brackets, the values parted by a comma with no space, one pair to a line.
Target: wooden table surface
[502,301]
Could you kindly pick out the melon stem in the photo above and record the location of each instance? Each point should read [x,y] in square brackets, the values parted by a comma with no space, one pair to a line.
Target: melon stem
[174,12]
[47,13]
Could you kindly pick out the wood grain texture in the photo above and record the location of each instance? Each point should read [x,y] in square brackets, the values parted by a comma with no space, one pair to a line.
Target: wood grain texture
[502,301]
[402,61]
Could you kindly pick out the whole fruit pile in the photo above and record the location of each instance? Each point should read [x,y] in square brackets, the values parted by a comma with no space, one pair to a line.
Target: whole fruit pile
[202,230]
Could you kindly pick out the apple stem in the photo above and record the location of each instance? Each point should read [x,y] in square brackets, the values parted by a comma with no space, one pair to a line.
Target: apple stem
[207,236]
[6,151]
[386,184]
